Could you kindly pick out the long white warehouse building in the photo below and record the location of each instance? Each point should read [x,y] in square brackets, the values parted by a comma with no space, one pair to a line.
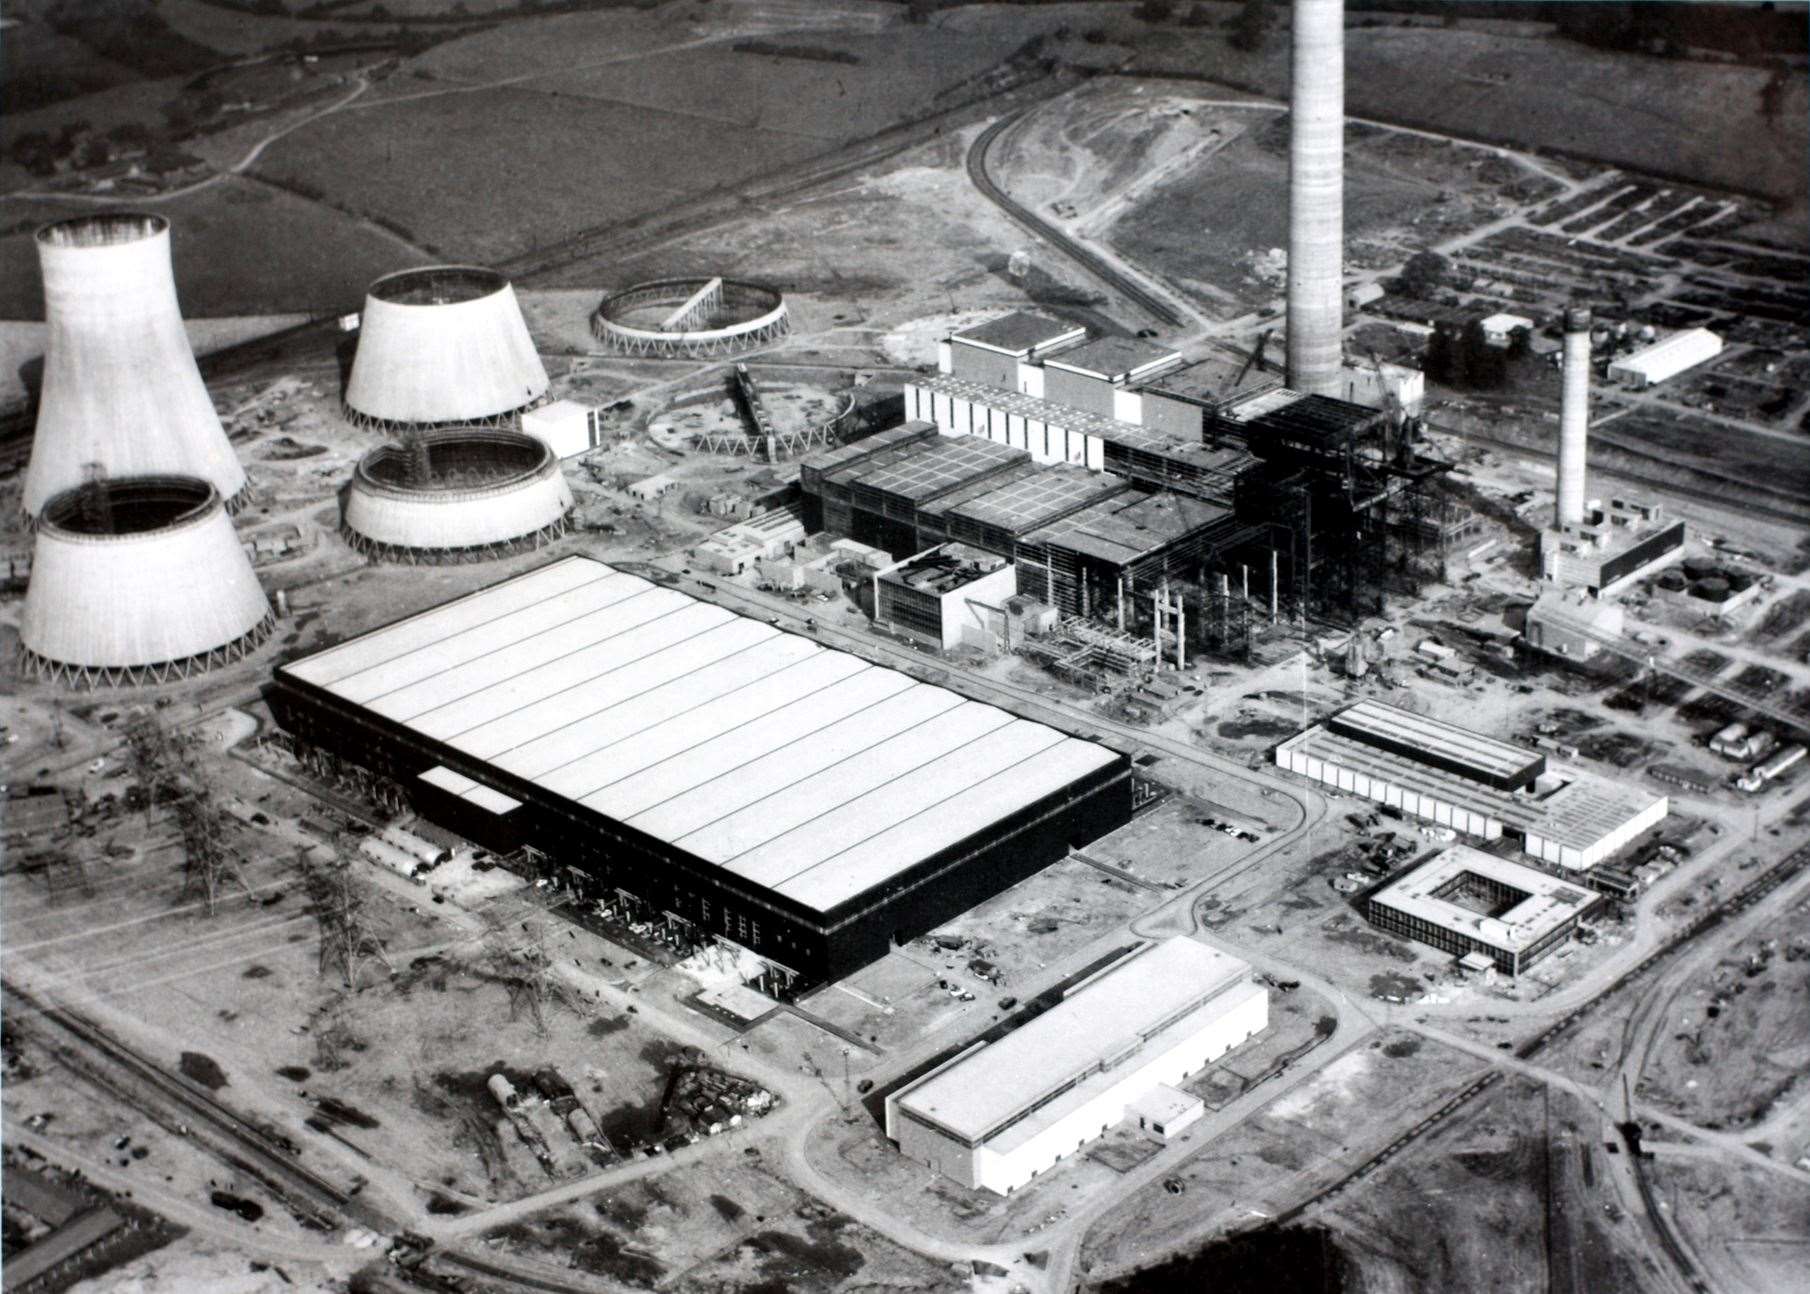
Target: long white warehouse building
[1000,1113]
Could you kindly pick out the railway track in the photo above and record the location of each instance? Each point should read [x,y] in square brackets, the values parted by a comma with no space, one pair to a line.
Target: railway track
[1735,493]
[1750,894]
[1035,225]
[254,1149]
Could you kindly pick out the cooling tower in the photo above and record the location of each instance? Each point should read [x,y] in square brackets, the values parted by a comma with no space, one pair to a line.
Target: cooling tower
[464,494]
[1574,419]
[138,580]
[1316,196]
[120,384]
[442,346]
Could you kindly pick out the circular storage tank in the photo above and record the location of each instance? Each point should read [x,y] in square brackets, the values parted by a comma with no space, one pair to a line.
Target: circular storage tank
[443,346]
[1698,568]
[456,494]
[1713,589]
[139,580]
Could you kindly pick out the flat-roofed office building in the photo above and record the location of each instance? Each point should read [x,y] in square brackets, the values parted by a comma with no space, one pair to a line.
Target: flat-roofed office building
[1465,901]
[1002,1112]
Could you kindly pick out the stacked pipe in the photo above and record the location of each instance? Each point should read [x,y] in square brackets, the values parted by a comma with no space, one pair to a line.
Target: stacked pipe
[1574,419]
[1316,196]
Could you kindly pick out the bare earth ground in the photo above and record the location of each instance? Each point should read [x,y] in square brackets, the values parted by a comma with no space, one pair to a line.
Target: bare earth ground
[1502,1196]
[1312,1134]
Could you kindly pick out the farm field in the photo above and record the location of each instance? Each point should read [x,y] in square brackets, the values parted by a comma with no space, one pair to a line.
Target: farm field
[308,258]
[1696,120]
[453,173]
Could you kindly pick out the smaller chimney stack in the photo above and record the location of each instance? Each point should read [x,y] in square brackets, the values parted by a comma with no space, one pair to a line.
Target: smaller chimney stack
[1574,418]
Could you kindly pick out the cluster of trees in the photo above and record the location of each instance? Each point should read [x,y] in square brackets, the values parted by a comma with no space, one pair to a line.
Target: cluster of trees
[1462,357]
[77,144]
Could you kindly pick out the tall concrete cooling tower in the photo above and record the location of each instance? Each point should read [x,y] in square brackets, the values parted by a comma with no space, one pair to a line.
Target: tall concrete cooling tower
[120,384]
[138,580]
[1574,420]
[1316,196]
[443,346]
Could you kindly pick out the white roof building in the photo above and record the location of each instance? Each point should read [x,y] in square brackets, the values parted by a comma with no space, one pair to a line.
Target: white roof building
[791,766]
[1665,358]
[1000,1113]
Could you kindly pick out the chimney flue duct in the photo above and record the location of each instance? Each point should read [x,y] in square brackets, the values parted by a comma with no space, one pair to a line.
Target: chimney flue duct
[1574,419]
[1316,196]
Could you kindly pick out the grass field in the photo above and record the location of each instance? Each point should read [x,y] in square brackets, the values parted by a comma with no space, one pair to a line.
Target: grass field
[298,256]
[1695,120]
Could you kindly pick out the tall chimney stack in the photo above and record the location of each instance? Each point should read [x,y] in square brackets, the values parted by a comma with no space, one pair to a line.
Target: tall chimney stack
[120,384]
[1574,418]
[1316,196]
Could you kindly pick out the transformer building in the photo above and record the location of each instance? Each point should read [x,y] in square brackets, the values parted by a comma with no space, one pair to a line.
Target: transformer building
[138,580]
[1000,1113]
[443,346]
[701,770]
[120,388]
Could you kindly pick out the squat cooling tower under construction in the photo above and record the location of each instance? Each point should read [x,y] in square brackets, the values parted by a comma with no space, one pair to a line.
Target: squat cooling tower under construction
[443,346]
[1316,197]
[458,494]
[120,384]
[138,580]
[1574,420]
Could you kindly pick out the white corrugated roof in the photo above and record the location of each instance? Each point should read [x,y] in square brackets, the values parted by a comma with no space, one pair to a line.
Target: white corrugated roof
[801,768]
[1098,1026]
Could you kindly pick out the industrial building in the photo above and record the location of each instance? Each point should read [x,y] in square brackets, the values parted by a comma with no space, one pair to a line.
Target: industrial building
[456,494]
[1002,1112]
[442,346]
[1470,904]
[949,596]
[764,538]
[1572,624]
[1472,783]
[138,580]
[703,770]
[1588,546]
[120,387]
[1334,488]
[1666,358]
[567,427]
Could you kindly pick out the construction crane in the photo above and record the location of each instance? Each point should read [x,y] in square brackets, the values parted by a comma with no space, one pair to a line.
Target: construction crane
[1254,359]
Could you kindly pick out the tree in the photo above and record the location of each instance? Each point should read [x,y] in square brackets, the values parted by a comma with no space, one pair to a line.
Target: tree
[338,905]
[1156,10]
[1250,29]
[1424,272]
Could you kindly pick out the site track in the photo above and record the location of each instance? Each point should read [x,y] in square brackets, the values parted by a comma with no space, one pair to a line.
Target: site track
[254,1149]
[1751,893]
[1035,225]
